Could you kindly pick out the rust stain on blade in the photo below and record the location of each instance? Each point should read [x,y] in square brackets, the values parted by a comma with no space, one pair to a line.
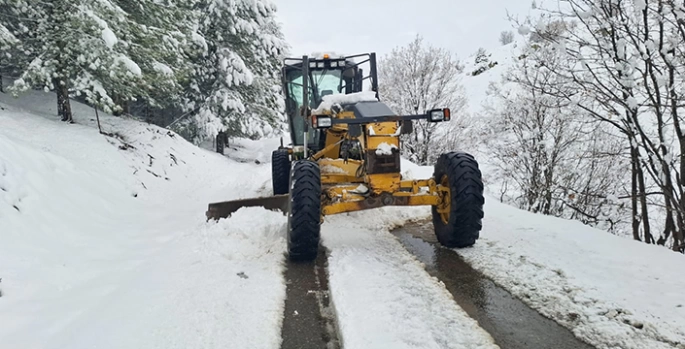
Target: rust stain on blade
[224,209]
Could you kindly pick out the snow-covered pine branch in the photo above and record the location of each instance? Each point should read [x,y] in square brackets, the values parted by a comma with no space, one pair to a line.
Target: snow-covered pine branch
[235,82]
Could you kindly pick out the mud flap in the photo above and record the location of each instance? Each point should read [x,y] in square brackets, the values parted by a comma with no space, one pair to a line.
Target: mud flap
[224,209]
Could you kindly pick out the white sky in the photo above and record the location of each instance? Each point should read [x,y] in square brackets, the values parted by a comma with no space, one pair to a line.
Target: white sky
[360,26]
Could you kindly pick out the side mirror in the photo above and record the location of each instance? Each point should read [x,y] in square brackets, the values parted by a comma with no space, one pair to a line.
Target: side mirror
[439,115]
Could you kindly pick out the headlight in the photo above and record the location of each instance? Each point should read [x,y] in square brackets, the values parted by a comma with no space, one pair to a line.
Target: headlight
[438,115]
[322,121]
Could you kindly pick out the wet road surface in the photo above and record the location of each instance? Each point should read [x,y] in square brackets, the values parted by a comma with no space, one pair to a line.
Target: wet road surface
[509,321]
[309,321]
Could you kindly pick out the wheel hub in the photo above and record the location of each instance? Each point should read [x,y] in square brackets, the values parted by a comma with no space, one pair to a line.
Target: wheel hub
[446,200]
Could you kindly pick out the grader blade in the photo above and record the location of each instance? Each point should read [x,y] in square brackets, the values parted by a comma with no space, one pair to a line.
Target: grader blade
[224,209]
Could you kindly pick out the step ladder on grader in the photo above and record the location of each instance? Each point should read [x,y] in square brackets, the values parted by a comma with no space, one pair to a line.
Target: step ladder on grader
[344,156]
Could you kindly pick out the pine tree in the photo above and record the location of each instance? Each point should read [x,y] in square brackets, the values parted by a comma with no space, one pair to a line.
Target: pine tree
[235,82]
[158,34]
[109,51]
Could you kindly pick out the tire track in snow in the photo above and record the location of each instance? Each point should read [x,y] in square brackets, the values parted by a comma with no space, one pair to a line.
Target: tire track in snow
[309,321]
[383,296]
[511,322]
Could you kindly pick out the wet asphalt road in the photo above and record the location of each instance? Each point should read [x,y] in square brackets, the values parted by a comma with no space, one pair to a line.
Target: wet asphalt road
[309,322]
[509,321]
[309,319]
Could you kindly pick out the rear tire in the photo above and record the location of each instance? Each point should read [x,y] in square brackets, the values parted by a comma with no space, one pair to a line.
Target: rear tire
[462,225]
[304,214]
[280,171]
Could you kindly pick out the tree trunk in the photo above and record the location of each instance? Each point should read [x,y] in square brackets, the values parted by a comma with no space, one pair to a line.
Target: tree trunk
[60,101]
[643,203]
[63,99]
[634,193]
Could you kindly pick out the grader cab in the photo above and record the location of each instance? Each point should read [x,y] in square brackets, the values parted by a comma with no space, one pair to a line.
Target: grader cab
[344,156]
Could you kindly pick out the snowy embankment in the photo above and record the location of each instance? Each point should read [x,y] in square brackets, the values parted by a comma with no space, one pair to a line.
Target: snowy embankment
[105,244]
[612,291]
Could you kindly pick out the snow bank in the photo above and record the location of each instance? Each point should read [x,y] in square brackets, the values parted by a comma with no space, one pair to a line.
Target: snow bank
[105,243]
[611,291]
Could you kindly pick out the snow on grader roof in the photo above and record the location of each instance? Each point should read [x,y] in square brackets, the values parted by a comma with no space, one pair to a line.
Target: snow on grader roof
[329,101]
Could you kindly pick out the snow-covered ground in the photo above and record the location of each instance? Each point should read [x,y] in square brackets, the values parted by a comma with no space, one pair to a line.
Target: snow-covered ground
[611,291]
[105,244]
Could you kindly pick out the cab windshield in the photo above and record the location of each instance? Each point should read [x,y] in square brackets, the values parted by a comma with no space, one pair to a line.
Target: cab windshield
[321,83]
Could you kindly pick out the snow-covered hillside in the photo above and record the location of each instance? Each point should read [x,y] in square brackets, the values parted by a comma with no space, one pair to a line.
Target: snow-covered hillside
[499,59]
[104,243]
[104,240]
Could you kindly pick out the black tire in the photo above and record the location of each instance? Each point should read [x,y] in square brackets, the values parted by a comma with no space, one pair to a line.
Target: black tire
[280,171]
[304,214]
[464,222]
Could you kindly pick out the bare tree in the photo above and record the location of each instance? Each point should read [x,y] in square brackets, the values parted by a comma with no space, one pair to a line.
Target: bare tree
[506,37]
[626,60]
[552,157]
[414,79]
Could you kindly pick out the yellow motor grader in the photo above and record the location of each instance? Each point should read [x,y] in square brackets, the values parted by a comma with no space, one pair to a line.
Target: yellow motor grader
[344,156]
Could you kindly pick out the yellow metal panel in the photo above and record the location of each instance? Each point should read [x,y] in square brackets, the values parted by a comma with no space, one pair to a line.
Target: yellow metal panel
[383,128]
[332,148]
[383,182]
[337,179]
[359,205]
[340,190]
[339,167]
[346,115]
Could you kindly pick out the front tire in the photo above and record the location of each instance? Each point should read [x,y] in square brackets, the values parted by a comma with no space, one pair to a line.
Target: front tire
[458,221]
[280,171]
[304,214]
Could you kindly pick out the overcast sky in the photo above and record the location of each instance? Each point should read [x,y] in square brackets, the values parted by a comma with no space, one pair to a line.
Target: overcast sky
[358,26]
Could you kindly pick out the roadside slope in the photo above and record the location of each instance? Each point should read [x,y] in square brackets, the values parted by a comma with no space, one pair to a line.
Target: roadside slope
[105,241]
